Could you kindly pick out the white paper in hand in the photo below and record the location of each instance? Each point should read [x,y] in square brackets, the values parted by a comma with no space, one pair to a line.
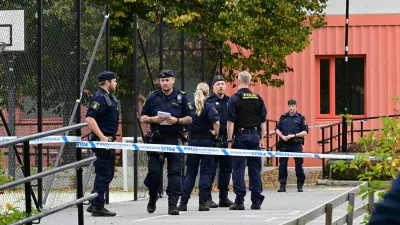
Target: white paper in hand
[163,114]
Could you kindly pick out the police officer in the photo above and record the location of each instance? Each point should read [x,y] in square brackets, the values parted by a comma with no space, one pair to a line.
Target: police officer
[102,118]
[291,128]
[220,101]
[203,131]
[247,113]
[165,130]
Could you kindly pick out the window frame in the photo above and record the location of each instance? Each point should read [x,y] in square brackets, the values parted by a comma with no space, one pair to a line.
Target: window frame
[332,97]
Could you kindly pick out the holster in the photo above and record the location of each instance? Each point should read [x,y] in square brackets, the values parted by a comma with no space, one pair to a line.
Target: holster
[219,141]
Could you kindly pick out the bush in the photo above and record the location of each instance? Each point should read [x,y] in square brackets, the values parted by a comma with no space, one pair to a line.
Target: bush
[11,214]
[380,159]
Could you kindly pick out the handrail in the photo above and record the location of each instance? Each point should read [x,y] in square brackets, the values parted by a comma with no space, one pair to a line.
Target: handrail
[330,125]
[321,209]
[41,134]
[374,117]
[47,173]
[56,209]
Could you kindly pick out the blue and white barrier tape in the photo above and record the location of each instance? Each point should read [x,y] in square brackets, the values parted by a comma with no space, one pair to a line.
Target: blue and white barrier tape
[46,140]
[204,150]
[177,148]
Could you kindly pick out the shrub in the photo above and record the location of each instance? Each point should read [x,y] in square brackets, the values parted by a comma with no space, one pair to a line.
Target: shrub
[384,149]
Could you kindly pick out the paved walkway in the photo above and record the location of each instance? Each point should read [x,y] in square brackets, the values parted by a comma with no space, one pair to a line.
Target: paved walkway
[276,209]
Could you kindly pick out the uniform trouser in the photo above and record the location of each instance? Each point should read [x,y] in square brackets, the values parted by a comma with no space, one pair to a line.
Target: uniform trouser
[283,162]
[224,174]
[155,164]
[192,167]
[104,169]
[247,140]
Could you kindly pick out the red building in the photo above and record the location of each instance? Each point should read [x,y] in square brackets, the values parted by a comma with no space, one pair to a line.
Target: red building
[317,82]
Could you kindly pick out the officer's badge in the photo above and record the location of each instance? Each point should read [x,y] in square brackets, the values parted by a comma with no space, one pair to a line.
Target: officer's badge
[190,106]
[305,122]
[217,103]
[95,105]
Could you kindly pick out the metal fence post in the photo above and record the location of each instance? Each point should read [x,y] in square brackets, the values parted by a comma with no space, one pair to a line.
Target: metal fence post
[39,96]
[27,173]
[183,88]
[344,134]
[323,151]
[202,58]
[135,122]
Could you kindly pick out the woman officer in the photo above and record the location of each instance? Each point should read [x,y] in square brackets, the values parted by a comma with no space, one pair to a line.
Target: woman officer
[203,130]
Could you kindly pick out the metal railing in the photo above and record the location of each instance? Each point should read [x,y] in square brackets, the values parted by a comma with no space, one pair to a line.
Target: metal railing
[327,209]
[273,136]
[28,178]
[337,132]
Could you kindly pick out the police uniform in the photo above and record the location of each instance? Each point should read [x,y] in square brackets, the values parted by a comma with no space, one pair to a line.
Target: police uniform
[200,135]
[288,125]
[247,111]
[387,210]
[178,105]
[224,162]
[103,108]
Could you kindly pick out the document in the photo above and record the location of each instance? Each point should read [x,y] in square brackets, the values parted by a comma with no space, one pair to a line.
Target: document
[163,114]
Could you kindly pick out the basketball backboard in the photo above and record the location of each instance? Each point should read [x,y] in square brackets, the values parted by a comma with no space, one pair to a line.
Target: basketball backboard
[12,29]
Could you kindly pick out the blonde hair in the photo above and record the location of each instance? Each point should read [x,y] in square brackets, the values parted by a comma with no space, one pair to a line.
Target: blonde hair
[202,91]
[244,77]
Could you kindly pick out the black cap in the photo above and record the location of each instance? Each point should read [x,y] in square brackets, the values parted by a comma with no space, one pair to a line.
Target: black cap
[166,74]
[218,78]
[292,102]
[106,75]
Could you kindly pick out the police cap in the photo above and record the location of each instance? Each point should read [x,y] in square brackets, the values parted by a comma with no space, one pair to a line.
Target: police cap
[166,74]
[218,78]
[106,75]
[292,102]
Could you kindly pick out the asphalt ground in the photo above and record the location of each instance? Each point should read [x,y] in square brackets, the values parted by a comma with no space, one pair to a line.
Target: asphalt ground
[277,208]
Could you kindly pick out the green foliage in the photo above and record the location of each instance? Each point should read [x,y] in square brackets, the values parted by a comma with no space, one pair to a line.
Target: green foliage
[378,163]
[11,214]
[269,30]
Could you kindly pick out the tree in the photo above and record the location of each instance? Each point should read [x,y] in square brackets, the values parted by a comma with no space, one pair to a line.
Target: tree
[269,30]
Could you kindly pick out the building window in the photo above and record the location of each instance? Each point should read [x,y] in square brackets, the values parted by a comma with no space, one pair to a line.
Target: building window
[331,85]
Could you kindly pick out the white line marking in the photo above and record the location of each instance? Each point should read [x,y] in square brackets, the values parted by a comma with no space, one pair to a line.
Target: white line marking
[294,212]
[273,218]
[155,217]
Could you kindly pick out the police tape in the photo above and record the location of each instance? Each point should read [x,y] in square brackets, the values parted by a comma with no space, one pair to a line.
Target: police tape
[183,149]
[46,140]
[178,148]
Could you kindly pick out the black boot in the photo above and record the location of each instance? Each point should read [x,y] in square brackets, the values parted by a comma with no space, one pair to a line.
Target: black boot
[211,204]
[236,207]
[300,188]
[203,207]
[183,206]
[89,209]
[102,212]
[225,202]
[282,189]
[151,206]
[173,210]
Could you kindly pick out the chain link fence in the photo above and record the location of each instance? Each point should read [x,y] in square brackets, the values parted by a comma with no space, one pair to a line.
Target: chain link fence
[19,74]
[191,59]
